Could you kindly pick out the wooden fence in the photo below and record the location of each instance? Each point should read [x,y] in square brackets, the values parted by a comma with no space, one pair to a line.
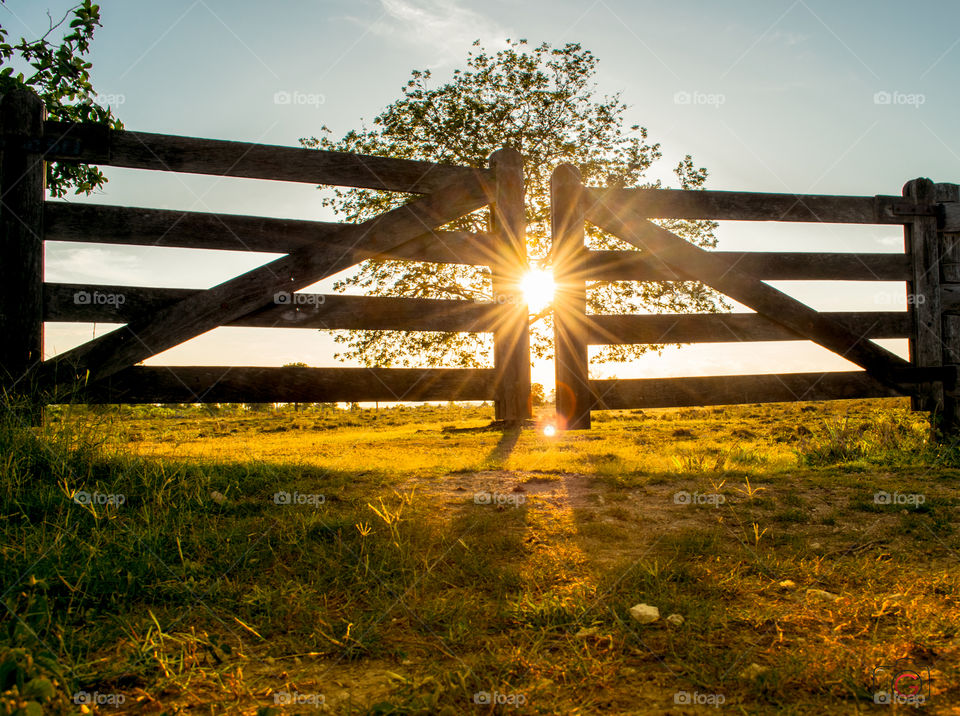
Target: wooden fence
[930,265]
[106,369]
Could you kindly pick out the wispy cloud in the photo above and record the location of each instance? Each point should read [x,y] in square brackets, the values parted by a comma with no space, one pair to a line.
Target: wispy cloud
[447,28]
[95,265]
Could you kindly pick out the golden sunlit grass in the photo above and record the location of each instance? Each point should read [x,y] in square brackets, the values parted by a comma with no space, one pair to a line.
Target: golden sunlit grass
[448,559]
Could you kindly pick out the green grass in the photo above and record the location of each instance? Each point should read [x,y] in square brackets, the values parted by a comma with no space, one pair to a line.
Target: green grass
[399,592]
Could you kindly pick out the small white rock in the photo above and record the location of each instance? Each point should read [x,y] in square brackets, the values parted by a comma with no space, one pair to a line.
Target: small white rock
[815,545]
[674,620]
[218,497]
[753,671]
[644,613]
[821,594]
[787,585]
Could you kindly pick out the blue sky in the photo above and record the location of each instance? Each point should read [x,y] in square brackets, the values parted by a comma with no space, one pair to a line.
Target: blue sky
[782,98]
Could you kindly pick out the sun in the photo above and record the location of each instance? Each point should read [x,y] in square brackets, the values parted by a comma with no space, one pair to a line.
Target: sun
[538,288]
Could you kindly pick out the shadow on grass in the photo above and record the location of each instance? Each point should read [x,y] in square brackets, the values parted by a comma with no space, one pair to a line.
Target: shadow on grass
[505,445]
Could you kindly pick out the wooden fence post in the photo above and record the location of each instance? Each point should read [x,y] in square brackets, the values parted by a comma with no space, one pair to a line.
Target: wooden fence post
[21,241]
[948,196]
[923,296]
[511,336]
[574,397]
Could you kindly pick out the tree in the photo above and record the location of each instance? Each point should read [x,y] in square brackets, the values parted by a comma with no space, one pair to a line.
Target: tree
[537,397]
[60,75]
[298,364]
[543,102]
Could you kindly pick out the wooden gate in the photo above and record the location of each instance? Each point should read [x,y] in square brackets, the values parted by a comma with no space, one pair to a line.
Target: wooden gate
[105,369]
[930,266]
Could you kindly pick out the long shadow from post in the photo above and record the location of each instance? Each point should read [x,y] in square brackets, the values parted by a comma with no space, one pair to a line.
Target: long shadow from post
[505,445]
[509,435]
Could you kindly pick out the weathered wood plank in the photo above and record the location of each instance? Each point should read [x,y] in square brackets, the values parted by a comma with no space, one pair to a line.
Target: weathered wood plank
[511,336]
[71,142]
[735,389]
[255,289]
[770,266]
[923,293]
[83,303]
[193,155]
[572,363]
[949,197]
[758,206]
[21,243]
[950,298]
[197,230]
[693,263]
[225,384]
[950,270]
[948,218]
[731,327]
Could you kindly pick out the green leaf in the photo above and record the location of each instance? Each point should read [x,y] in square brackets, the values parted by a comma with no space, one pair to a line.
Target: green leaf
[39,688]
[62,76]
[31,708]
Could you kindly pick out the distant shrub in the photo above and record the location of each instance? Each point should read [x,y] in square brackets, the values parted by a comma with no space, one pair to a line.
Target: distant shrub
[887,435]
[537,396]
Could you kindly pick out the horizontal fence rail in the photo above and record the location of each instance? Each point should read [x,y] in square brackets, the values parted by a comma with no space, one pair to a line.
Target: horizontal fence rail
[198,230]
[735,389]
[770,266]
[225,384]
[758,206]
[729,327]
[83,303]
[192,155]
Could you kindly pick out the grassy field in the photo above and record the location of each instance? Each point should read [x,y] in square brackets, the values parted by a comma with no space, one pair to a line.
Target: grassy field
[405,561]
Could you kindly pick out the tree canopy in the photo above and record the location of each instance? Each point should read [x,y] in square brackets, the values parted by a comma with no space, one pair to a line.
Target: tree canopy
[60,74]
[542,101]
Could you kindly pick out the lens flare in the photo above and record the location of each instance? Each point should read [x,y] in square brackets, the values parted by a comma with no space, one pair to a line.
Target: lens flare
[538,288]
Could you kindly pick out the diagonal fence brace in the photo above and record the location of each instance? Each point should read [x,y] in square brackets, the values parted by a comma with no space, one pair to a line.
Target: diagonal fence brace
[617,216]
[201,312]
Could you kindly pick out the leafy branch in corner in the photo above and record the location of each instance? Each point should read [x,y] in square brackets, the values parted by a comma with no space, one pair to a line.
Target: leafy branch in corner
[59,73]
